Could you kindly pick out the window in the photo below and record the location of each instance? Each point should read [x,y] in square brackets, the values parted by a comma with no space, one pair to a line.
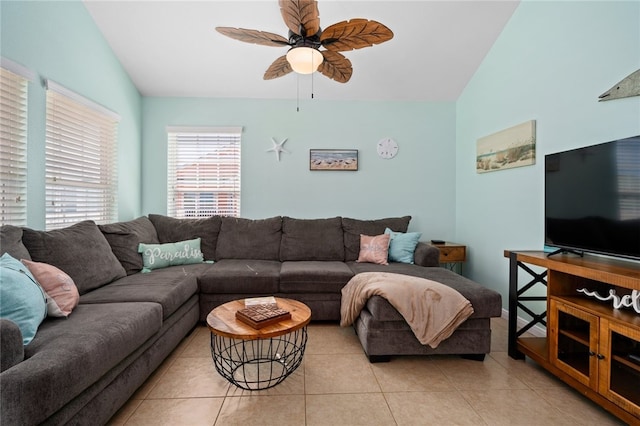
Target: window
[13,143]
[628,158]
[80,160]
[203,172]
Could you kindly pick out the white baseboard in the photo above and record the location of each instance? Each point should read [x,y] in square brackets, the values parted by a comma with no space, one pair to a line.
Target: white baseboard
[536,330]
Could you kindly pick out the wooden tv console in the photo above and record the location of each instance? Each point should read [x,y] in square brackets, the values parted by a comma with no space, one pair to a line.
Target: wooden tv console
[589,344]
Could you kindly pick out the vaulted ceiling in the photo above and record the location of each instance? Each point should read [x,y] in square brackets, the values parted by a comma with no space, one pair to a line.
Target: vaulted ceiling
[171,48]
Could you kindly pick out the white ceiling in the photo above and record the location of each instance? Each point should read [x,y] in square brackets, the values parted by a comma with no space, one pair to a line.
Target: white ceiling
[170,48]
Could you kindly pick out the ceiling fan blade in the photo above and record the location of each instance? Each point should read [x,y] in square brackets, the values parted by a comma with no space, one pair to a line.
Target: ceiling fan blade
[278,68]
[301,16]
[354,34]
[336,66]
[254,36]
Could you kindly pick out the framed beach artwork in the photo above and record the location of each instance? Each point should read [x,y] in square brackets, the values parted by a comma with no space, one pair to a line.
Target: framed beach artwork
[506,149]
[333,159]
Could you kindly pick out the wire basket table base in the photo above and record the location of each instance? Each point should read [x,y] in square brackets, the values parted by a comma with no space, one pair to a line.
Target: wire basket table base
[258,364]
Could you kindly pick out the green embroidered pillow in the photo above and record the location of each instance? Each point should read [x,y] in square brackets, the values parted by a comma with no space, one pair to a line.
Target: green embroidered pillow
[155,256]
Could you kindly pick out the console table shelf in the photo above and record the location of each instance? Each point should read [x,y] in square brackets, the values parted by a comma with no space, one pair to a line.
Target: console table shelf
[589,344]
[534,347]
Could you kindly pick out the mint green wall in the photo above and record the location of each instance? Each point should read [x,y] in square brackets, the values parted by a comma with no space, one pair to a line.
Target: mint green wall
[59,40]
[419,182]
[550,64]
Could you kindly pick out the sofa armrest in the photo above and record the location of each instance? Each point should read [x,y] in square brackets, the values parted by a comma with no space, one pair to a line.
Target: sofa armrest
[11,346]
[426,255]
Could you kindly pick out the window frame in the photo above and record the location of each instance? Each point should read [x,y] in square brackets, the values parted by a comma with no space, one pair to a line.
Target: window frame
[81,165]
[14,93]
[213,184]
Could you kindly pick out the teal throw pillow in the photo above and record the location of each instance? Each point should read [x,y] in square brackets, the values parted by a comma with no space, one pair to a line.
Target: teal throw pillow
[155,256]
[22,300]
[402,245]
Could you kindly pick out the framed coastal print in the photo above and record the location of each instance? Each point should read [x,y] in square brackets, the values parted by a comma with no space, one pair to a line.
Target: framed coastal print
[333,159]
[508,148]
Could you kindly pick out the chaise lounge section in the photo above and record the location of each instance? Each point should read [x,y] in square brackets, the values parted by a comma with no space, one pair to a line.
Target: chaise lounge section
[82,368]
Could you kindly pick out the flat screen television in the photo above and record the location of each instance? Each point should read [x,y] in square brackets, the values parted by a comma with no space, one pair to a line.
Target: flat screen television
[592,199]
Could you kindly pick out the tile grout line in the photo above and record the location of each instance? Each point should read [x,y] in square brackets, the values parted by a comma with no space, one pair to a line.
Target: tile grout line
[496,356]
[384,397]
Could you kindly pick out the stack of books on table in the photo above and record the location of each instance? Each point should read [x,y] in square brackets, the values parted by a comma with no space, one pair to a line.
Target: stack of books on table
[261,312]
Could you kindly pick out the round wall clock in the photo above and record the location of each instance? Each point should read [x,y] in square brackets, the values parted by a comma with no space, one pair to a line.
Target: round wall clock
[387,148]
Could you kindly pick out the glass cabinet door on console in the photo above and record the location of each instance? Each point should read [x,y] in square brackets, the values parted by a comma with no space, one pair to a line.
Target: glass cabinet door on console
[620,371]
[574,342]
[592,342]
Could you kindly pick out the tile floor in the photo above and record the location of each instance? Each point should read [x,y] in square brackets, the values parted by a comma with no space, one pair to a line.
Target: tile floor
[336,385]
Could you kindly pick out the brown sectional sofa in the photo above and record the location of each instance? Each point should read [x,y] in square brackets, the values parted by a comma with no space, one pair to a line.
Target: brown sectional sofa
[81,369]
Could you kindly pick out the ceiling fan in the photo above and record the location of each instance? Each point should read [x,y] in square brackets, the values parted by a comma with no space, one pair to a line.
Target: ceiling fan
[306,38]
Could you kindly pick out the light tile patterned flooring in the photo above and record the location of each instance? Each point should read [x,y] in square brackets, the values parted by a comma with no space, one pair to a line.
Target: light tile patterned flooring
[336,385]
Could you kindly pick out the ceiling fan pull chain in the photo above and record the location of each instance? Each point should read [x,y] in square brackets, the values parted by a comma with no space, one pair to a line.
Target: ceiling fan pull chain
[297,92]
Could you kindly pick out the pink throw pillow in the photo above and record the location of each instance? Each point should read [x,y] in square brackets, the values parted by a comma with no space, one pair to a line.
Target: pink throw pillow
[62,292]
[374,249]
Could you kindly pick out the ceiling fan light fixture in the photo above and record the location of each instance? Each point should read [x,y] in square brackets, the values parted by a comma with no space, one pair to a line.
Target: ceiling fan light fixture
[304,60]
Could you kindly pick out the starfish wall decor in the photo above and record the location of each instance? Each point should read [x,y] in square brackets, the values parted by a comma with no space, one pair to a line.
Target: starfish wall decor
[278,147]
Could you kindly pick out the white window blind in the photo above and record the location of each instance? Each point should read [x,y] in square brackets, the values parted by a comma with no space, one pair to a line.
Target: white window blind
[203,172]
[628,179]
[81,160]
[13,148]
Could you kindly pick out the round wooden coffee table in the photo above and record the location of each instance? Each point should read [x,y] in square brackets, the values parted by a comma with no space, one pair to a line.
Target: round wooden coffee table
[255,359]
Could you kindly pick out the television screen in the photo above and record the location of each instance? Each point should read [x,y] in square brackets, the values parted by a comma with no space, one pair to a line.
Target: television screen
[592,199]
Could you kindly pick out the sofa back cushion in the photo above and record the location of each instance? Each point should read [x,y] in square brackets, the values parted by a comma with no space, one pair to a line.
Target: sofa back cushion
[312,239]
[249,238]
[11,242]
[80,250]
[124,238]
[354,227]
[172,230]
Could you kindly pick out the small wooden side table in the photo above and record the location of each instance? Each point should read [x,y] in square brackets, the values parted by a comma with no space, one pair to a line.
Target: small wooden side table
[452,255]
[255,359]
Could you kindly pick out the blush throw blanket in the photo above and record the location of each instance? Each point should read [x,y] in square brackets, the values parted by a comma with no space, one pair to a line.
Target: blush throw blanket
[432,310]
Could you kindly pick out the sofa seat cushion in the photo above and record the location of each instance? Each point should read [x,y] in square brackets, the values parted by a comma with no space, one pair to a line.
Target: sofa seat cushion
[314,277]
[70,354]
[243,276]
[312,239]
[392,267]
[169,287]
[486,302]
